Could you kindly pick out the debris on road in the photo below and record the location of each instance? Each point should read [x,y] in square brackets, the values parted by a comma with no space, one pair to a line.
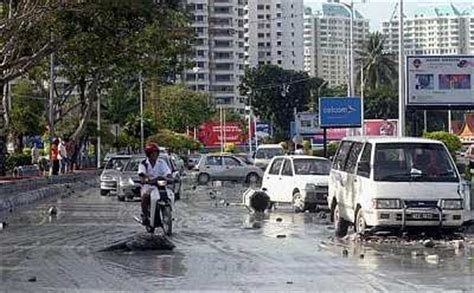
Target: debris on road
[142,242]
[345,252]
[428,243]
[32,279]
[52,211]
[281,236]
[279,219]
[432,259]
[3,225]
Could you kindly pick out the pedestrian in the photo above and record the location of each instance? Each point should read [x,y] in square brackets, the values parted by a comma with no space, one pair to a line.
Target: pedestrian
[62,157]
[55,157]
[35,154]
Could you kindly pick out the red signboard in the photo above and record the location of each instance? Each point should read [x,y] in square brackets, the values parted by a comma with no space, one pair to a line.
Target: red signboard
[210,134]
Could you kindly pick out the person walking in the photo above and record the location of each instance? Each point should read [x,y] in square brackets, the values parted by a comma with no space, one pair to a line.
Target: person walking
[35,154]
[55,157]
[62,157]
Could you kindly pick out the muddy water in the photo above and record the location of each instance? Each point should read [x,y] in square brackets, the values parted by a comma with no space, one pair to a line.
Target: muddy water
[219,246]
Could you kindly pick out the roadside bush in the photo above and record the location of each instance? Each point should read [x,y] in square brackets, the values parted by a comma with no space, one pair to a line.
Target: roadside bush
[331,151]
[176,141]
[16,160]
[230,148]
[452,141]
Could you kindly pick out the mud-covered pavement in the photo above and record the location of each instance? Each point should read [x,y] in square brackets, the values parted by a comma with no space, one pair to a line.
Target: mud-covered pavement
[219,246]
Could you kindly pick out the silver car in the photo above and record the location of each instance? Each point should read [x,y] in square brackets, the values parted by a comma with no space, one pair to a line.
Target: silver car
[129,183]
[227,168]
[111,174]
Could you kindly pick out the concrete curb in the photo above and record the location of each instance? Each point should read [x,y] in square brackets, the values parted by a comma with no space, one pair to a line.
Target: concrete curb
[55,186]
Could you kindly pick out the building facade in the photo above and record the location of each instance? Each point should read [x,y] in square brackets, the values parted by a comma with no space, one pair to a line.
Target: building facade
[218,53]
[274,33]
[434,30]
[327,41]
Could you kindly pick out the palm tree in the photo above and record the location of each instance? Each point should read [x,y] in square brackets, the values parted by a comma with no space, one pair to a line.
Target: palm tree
[380,67]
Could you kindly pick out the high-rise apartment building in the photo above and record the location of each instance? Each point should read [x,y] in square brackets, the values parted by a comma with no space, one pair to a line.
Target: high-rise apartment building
[274,33]
[433,30]
[327,41]
[218,50]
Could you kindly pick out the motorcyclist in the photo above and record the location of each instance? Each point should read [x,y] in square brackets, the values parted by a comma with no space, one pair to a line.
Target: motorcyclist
[149,171]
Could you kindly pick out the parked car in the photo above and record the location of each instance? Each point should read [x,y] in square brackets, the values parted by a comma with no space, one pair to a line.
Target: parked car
[129,182]
[111,173]
[265,153]
[193,161]
[299,180]
[395,182]
[226,168]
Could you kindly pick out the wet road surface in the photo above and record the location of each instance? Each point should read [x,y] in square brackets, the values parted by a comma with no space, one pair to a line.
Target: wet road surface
[219,246]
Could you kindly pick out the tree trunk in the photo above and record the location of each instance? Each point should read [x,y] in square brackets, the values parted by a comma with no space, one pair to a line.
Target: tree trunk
[19,146]
[3,136]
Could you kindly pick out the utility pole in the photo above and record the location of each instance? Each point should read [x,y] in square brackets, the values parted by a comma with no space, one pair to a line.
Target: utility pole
[98,132]
[351,46]
[142,130]
[362,85]
[51,94]
[401,75]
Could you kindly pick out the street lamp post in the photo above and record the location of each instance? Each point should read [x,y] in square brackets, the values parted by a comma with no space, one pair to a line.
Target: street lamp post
[401,76]
[142,129]
[350,7]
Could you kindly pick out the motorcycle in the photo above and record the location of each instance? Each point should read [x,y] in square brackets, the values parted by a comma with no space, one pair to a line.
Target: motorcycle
[160,209]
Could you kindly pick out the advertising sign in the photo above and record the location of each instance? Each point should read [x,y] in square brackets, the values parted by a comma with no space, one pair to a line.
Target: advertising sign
[307,123]
[440,80]
[380,127]
[210,134]
[340,112]
[263,130]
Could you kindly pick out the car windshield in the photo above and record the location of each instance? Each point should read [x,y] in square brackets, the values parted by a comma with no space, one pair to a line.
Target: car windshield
[413,162]
[268,153]
[133,164]
[312,166]
[116,163]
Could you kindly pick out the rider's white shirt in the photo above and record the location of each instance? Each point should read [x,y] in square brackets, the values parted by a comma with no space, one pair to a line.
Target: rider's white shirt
[160,169]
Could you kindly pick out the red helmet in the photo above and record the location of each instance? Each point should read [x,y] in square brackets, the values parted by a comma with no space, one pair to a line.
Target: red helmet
[151,148]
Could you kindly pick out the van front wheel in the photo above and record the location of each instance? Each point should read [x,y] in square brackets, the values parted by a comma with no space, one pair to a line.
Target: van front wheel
[340,224]
[360,224]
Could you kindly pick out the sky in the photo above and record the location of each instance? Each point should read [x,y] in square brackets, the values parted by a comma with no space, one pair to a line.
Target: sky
[378,11]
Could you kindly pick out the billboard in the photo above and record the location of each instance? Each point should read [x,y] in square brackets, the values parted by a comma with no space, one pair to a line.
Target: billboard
[263,130]
[210,134]
[340,112]
[440,80]
[307,123]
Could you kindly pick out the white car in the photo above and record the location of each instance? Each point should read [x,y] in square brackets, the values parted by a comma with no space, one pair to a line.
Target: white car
[299,180]
[265,153]
[394,183]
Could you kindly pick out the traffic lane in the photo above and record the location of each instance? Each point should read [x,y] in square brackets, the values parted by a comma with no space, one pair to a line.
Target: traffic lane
[219,247]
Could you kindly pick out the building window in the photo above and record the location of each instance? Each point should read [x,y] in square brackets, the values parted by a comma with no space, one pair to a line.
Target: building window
[260,7]
[278,6]
[279,62]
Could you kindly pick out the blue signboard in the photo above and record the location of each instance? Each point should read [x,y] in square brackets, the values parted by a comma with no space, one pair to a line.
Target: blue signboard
[340,112]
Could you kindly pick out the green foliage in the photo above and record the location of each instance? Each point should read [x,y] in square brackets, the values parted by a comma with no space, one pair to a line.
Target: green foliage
[180,107]
[275,92]
[307,145]
[27,114]
[331,150]
[121,101]
[175,141]
[380,67]
[381,103]
[16,160]
[337,91]
[132,127]
[452,141]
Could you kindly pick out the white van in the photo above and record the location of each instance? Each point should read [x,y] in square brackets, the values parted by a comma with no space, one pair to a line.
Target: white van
[265,153]
[395,182]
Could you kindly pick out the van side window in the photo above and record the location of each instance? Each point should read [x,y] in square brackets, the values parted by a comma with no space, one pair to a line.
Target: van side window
[340,160]
[353,156]
[276,166]
[287,171]
[364,165]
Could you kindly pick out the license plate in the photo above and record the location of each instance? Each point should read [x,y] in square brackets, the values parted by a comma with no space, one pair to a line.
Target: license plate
[422,216]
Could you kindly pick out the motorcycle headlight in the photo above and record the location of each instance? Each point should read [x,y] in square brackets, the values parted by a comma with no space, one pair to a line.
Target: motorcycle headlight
[386,203]
[452,204]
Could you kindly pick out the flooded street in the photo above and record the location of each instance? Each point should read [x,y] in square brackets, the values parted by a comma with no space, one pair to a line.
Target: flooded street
[219,246]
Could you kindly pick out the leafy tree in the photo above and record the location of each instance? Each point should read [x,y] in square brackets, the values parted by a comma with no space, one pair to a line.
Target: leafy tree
[380,67]
[179,107]
[275,92]
[133,125]
[27,115]
[122,100]
[176,141]
[381,103]
[452,141]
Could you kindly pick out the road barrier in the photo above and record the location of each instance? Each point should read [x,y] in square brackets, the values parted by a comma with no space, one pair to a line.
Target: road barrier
[23,192]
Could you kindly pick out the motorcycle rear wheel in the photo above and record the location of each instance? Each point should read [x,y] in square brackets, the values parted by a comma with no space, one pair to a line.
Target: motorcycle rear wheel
[166,220]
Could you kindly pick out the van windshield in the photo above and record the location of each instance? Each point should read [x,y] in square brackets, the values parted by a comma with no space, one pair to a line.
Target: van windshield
[413,162]
[268,153]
